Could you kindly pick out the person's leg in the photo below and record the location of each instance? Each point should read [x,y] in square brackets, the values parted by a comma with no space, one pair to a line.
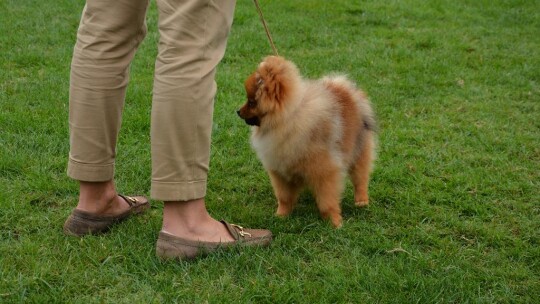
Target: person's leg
[107,38]
[193,36]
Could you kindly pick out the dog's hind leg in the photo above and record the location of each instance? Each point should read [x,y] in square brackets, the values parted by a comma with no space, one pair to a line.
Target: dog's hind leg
[360,170]
[286,193]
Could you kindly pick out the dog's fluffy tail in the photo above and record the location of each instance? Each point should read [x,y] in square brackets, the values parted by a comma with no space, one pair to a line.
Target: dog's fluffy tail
[363,103]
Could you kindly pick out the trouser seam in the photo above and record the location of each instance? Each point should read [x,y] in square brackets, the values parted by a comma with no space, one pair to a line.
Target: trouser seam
[91,165]
[180,182]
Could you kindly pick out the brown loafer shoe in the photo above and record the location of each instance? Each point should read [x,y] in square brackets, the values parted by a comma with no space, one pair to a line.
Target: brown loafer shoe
[81,223]
[171,247]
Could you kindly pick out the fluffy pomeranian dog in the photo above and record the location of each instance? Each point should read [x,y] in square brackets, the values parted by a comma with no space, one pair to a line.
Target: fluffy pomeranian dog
[310,133]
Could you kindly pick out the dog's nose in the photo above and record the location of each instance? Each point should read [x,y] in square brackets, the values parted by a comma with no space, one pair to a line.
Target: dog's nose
[238,112]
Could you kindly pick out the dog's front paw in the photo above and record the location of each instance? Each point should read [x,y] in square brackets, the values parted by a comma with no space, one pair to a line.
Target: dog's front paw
[361,203]
[285,208]
[282,211]
[337,221]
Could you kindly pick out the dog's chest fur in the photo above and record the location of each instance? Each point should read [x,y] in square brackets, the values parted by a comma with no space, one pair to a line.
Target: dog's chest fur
[313,126]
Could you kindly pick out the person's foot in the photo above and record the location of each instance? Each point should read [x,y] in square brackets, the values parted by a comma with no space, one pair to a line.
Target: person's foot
[80,223]
[173,247]
[100,207]
[110,207]
[208,230]
[189,231]
[190,220]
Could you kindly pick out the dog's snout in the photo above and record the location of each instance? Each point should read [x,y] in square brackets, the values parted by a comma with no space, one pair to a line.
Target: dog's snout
[238,112]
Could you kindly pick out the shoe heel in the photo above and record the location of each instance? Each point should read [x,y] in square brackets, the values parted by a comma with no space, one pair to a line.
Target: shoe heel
[74,227]
[166,250]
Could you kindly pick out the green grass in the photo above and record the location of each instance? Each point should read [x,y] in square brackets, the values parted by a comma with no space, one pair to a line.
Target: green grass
[455,210]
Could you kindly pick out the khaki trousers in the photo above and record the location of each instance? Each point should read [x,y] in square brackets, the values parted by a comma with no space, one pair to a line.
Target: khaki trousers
[193,36]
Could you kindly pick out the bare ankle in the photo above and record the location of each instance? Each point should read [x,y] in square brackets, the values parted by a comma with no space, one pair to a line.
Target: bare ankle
[190,219]
[184,214]
[96,196]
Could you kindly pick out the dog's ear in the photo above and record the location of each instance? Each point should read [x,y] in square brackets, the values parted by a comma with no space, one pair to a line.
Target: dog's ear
[259,80]
[251,85]
[274,76]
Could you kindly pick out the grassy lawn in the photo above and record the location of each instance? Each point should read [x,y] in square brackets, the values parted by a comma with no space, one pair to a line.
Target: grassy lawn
[455,209]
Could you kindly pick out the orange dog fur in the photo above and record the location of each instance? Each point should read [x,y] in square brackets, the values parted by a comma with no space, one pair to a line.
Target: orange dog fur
[310,133]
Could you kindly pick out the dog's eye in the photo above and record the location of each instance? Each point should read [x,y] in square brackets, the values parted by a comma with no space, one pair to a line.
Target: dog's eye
[251,103]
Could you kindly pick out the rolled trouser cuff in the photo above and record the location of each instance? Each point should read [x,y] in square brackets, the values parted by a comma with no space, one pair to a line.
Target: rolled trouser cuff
[178,191]
[90,172]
